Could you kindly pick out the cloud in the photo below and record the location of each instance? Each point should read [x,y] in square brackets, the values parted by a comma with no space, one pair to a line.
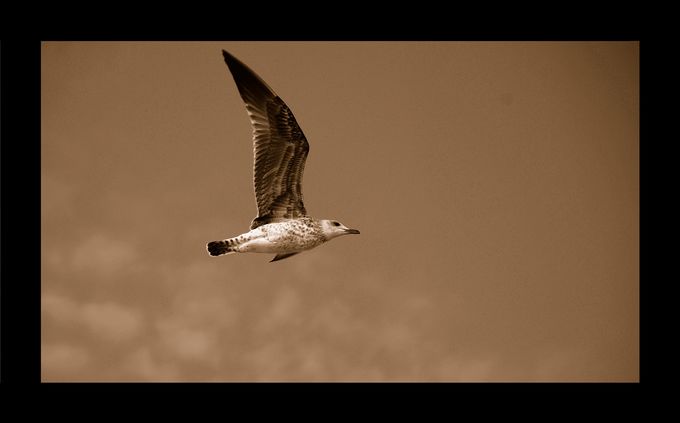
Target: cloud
[462,369]
[216,312]
[283,311]
[111,321]
[334,319]
[63,360]
[195,328]
[104,320]
[268,361]
[103,254]
[144,364]
[186,341]
[59,309]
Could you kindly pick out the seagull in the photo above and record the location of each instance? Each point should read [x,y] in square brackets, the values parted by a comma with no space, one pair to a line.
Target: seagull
[282,226]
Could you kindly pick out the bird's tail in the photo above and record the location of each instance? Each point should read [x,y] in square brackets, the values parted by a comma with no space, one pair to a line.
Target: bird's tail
[218,248]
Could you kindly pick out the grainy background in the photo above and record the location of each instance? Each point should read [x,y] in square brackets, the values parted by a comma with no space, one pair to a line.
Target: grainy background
[496,187]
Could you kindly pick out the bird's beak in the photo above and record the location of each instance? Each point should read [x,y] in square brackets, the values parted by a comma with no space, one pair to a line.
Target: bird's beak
[352,231]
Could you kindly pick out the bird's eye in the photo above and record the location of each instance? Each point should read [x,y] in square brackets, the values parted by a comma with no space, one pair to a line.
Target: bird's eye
[336,224]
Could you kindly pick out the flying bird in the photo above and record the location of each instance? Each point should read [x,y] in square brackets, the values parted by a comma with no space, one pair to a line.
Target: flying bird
[282,226]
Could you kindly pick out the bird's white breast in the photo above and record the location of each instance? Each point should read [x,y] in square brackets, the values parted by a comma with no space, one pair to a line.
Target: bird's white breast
[283,237]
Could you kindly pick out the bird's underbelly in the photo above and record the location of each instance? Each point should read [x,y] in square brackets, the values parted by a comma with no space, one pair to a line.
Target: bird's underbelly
[264,245]
[268,240]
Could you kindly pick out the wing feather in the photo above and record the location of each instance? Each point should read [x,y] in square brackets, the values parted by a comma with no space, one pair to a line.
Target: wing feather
[280,148]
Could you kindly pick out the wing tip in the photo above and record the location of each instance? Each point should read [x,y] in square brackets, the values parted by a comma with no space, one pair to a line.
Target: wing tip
[229,59]
[250,85]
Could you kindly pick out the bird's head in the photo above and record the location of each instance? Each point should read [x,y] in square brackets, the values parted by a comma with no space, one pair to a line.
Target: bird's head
[332,229]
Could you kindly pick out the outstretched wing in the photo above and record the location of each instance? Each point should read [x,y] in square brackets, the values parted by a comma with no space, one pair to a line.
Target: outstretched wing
[280,148]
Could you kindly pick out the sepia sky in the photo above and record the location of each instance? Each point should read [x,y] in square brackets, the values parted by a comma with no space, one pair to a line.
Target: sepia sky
[495,184]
